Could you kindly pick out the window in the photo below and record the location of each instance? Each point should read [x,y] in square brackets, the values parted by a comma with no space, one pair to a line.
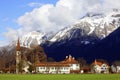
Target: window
[42,67]
[65,68]
[52,68]
[71,64]
[77,64]
[102,68]
[56,68]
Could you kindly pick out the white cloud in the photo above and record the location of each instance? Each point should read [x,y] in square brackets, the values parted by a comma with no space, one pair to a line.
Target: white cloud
[49,17]
[110,4]
[12,34]
[34,4]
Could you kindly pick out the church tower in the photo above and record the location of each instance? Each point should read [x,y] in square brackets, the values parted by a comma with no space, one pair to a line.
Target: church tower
[18,57]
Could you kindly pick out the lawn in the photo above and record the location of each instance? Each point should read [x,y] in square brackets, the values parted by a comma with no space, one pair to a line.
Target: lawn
[59,76]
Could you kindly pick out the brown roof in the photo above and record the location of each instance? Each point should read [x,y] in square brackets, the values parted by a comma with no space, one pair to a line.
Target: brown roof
[65,63]
[70,59]
[53,64]
[99,62]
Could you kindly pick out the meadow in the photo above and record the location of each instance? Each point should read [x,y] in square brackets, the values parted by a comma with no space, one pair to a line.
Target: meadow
[59,76]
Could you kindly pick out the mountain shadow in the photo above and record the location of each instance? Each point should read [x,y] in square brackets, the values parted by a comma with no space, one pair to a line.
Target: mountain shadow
[107,48]
[76,44]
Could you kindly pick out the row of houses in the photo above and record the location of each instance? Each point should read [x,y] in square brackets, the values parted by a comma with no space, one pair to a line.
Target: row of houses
[67,66]
[70,65]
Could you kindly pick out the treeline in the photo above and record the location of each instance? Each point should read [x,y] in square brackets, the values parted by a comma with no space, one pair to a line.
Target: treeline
[8,57]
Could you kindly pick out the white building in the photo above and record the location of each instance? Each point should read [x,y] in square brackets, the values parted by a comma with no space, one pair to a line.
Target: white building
[115,68]
[100,67]
[118,69]
[69,65]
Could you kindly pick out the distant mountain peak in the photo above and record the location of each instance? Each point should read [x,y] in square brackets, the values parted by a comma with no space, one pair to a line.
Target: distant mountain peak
[33,38]
[91,14]
[97,24]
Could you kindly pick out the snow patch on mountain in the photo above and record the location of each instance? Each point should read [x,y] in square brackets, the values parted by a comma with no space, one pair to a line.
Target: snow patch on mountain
[60,34]
[100,25]
[33,38]
[91,30]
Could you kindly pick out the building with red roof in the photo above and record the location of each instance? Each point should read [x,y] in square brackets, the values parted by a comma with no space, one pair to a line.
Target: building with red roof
[67,66]
[100,67]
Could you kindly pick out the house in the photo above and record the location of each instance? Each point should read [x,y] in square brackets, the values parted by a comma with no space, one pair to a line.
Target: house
[118,69]
[100,67]
[25,66]
[115,67]
[69,65]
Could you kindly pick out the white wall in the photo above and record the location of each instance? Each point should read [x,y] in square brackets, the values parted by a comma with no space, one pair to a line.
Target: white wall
[103,68]
[53,70]
[118,69]
[74,66]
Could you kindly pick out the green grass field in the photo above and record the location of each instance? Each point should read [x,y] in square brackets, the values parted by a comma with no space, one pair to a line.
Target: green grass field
[59,76]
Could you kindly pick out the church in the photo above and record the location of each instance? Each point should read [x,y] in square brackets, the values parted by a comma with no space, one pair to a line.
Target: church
[22,64]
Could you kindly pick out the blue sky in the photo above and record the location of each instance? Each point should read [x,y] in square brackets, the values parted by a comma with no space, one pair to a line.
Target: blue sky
[18,17]
[10,10]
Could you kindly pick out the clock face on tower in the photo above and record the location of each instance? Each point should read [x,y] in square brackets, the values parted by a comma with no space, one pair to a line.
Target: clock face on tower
[18,53]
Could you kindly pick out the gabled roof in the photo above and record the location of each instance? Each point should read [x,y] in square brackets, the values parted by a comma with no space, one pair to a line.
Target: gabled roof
[70,59]
[65,63]
[100,63]
[53,64]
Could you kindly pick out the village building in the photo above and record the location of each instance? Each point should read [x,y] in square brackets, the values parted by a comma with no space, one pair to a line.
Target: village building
[100,67]
[115,67]
[18,57]
[22,65]
[69,65]
[118,69]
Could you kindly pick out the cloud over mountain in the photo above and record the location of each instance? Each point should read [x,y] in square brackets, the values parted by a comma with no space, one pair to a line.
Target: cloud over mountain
[49,17]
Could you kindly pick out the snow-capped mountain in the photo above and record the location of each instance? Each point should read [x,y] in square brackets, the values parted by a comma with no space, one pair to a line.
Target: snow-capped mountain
[89,29]
[92,25]
[33,38]
[93,36]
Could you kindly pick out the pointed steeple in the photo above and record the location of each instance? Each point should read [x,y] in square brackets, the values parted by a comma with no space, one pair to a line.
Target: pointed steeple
[18,45]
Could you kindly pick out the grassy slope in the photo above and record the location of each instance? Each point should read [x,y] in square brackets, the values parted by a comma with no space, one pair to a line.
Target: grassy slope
[59,76]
